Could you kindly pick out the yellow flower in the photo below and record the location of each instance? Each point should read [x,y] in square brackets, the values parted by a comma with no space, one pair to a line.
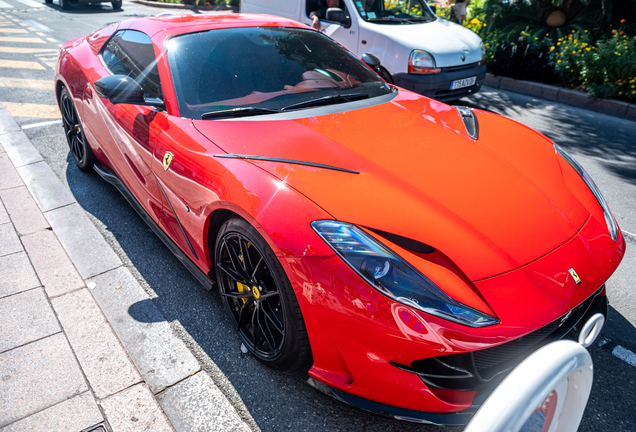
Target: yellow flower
[551,48]
[558,61]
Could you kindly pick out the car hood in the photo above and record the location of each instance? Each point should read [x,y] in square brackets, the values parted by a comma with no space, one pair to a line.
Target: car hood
[491,205]
[445,40]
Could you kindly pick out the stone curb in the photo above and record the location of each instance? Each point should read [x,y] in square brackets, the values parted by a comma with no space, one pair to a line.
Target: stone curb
[171,372]
[185,6]
[572,98]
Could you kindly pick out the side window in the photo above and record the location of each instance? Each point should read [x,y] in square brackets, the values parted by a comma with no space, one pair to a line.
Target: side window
[321,6]
[131,53]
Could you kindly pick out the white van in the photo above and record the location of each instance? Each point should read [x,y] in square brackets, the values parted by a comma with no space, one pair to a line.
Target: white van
[418,51]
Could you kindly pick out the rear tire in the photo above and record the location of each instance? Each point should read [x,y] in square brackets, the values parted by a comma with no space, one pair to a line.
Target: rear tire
[116,4]
[48,1]
[65,4]
[259,298]
[80,150]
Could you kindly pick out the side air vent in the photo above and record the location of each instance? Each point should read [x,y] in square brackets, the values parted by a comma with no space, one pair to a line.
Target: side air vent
[404,242]
[470,121]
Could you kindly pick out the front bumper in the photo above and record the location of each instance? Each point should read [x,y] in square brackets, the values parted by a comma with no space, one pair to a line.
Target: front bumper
[438,86]
[479,371]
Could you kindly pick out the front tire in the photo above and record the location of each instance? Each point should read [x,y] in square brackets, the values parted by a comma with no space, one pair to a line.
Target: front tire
[80,150]
[259,297]
[65,4]
[116,4]
[48,1]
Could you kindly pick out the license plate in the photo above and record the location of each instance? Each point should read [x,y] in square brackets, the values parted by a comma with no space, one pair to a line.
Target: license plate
[466,82]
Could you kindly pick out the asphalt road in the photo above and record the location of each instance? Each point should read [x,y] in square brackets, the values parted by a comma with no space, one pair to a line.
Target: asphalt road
[274,401]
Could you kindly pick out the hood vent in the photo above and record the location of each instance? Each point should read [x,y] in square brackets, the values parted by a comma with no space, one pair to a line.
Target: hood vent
[470,121]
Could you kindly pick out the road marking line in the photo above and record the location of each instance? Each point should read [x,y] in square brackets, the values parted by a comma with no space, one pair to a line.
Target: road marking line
[28,83]
[4,5]
[19,64]
[51,40]
[42,124]
[51,64]
[625,355]
[31,3]
[32,110]
[13,30]
[21,39]
[27,50]
[627,232]
[40,34]
[37,25]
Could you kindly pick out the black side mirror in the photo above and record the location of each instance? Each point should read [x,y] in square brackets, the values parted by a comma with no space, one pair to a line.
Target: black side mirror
[336,14]
[123,89]
[372,61]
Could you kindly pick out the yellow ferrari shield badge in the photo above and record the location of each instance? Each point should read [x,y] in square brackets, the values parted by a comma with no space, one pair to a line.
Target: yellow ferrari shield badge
[167,160]
[575,276]
[256,292]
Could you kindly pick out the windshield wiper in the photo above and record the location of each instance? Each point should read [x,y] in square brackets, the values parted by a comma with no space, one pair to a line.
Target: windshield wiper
[389,19]
[239,112]
[326,100]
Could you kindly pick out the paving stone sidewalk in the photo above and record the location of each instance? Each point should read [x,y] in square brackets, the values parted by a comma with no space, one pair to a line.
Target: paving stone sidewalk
[72,357]
[62,368]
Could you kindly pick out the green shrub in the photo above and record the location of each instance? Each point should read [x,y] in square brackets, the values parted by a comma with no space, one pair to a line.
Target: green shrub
[610,71]
[571,55]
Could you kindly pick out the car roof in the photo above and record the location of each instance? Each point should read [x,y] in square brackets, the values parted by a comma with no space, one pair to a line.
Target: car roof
[178,24]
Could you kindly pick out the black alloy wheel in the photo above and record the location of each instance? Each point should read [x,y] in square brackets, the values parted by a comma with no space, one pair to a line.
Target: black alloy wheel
[259,297]
[80,150]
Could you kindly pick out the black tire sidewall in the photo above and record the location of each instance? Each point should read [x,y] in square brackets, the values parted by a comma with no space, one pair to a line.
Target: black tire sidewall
[86,164]
[292,355]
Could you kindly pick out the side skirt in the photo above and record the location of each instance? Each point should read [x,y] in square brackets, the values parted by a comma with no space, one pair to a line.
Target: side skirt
[108,175]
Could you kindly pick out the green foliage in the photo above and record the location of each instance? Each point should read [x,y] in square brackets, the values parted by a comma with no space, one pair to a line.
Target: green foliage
[527,58]
[571,55]
[512,19]
[610,71]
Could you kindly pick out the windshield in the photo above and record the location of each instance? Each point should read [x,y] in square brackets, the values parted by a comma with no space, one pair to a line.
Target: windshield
[394,11]
[258,70]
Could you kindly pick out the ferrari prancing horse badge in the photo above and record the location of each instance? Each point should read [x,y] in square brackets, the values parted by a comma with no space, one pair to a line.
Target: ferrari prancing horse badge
[575,276]
[167,160]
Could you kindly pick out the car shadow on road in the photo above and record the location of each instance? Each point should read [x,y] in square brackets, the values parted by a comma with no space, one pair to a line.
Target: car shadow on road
[268,400]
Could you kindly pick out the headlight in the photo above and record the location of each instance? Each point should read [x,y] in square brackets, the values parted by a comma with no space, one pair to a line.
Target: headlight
[612,226]
[482,47]
[392,276]
[421,62]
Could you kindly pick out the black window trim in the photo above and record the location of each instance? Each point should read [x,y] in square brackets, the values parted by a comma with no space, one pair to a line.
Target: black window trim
[111,37]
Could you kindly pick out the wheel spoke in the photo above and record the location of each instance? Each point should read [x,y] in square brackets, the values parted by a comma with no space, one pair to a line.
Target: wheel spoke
[274,324]
[269,294]
[232,274]
[236,262]
[266,331]
[256,268]
[237,295]
[255,328]
[247,262]
[248,304]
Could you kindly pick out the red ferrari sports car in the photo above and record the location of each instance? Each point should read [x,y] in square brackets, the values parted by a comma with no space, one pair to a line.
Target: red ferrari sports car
[407,251]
